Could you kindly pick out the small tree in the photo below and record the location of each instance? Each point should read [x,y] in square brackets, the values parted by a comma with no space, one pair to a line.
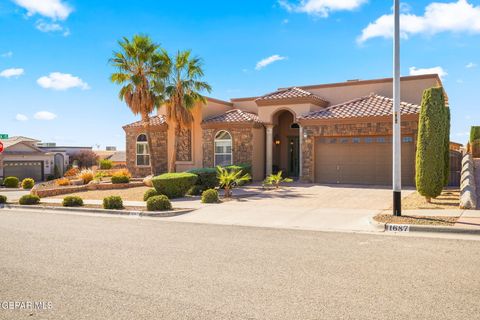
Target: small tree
[430,157]
[276,179]
[84,159]
[229,179]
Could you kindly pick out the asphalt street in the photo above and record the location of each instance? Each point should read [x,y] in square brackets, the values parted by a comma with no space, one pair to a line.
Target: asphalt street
[88,267]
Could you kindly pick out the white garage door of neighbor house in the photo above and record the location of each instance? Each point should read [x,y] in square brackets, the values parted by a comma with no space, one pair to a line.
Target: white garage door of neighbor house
[362,160]
[23,169]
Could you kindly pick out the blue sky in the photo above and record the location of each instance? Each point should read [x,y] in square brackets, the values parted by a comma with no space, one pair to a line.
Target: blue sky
[54,72]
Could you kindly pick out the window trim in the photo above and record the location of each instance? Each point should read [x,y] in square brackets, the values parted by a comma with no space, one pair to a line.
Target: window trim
[144,143]
[215,147]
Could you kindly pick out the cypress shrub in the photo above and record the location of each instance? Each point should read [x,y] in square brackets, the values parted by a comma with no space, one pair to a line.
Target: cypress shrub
[11,182]
[430,157]
[113,202]
[210,196]
[174,185]
[446,172]
[149,193]
[474,133]
[29,199]
[159,203]
[72,201]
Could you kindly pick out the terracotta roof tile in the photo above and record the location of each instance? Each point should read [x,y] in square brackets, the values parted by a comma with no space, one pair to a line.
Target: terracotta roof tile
[234,116]
[157,120]
[291,93]
[369,106]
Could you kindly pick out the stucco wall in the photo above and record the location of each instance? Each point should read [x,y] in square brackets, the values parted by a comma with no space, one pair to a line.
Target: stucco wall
[258,156]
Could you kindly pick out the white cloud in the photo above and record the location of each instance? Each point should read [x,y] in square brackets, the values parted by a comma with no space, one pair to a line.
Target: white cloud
[285,21]
[435,70]
[44,115]
[21,117]
[12,72]
[62,81]
[459,16]
[51,27]
[54,9]
[471,65]
[321,8]
[265,62]
[7,54]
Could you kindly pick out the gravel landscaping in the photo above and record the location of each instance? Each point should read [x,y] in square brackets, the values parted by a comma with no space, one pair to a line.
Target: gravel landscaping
[449,199]
[422,220]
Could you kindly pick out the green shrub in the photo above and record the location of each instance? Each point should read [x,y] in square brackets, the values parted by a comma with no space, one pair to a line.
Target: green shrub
[1,181]
[28,183]
[29,199]
[72,201]
[105,164]
[11,182]
[149,193]
[229,179]
[159,203]
[276,179]
[474,133]
[195,190]
[120,179]
[446,157]
[207,179]
[244,169]
[113,202]
[3,199]
[430,157]
[50,177]
[210,196]
[174,185]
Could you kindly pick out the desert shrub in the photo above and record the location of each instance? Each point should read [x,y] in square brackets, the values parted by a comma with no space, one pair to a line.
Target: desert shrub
[244,169]
[29,199]
[11,182]
[207,179]
[28,183]
[276,179]
[174,185]
[105,164]
[229,179]
[113,202]
[149,193]
[86,175]
[72,201]
[72,172]
[84,159]
[63,182]
[210,196]
[120,178]
[159,203]
[123,172]
[3,199]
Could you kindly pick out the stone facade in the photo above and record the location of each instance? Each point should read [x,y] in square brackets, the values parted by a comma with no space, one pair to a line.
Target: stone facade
[159,139]
[184,145]
[242,144]
[312,132]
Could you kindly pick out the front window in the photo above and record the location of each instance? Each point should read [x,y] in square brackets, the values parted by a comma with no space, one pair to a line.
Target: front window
[143,154]
[223,149]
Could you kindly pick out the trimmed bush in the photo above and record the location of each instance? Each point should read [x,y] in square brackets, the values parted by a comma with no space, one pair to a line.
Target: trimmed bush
[446,157]
[174,185]
[29,199]
[149,193]
[72,201]
[116,178]
[11,182]
[210,196]
[105,164]
[159,203]
[28,183]
[3,199]
[195,190]
[430,155]
[207,179]
[113,202]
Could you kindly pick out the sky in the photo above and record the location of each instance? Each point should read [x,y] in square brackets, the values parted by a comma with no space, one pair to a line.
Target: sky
[54,70]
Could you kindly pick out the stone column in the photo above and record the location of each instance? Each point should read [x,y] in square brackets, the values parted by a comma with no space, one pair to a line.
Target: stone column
[300,155]
[269,146]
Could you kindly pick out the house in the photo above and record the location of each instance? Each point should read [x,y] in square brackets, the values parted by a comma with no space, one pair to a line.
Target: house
[61,151]
[327,133]
[22,158]
[118,158]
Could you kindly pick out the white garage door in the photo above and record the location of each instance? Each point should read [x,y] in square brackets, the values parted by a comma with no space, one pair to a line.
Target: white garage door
[23,169]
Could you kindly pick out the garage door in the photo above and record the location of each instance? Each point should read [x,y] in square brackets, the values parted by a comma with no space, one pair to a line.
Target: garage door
[23,169]
[365,160]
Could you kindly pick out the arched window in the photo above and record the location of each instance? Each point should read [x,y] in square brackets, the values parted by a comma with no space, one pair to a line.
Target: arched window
[223,149]
[143,154]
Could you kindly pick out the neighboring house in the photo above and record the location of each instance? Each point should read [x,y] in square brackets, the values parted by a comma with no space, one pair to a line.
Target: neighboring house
[22,158]
[118,158]
[328,133]
[62,153]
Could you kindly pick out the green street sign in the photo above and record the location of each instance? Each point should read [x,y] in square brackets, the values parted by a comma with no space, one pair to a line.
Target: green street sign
[3,136]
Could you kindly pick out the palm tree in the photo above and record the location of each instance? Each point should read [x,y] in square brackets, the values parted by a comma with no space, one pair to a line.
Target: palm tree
[140,71]
[182,92]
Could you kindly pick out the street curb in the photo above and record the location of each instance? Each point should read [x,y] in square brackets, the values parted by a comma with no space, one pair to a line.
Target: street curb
[159,214]
[421,228]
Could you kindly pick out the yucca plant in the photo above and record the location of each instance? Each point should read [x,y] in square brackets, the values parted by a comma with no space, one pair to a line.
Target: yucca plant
[229,179]
[276,180]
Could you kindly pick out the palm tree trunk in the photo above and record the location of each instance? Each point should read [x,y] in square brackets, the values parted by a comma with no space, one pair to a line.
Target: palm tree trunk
[173,160]
[153,162]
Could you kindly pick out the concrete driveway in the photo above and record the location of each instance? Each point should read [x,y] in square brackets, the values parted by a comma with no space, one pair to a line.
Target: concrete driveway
[300,206]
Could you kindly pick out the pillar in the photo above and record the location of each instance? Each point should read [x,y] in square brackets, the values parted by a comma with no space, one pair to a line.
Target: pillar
[269,146]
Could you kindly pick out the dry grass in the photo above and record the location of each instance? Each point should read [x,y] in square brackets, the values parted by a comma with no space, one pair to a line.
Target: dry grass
[449,199]
[434,220]
[130,194]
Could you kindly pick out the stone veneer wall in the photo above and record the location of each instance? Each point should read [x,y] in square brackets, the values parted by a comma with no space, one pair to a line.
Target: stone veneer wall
[159,141]
[242,144]
[345,129]
[184,145]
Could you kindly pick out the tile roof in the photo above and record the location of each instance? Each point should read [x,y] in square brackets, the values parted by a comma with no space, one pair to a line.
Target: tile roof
[368,106]
[291,93]
[234,116]
[157,120]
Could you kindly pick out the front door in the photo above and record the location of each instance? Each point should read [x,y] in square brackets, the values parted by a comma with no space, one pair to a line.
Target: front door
[293,168]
